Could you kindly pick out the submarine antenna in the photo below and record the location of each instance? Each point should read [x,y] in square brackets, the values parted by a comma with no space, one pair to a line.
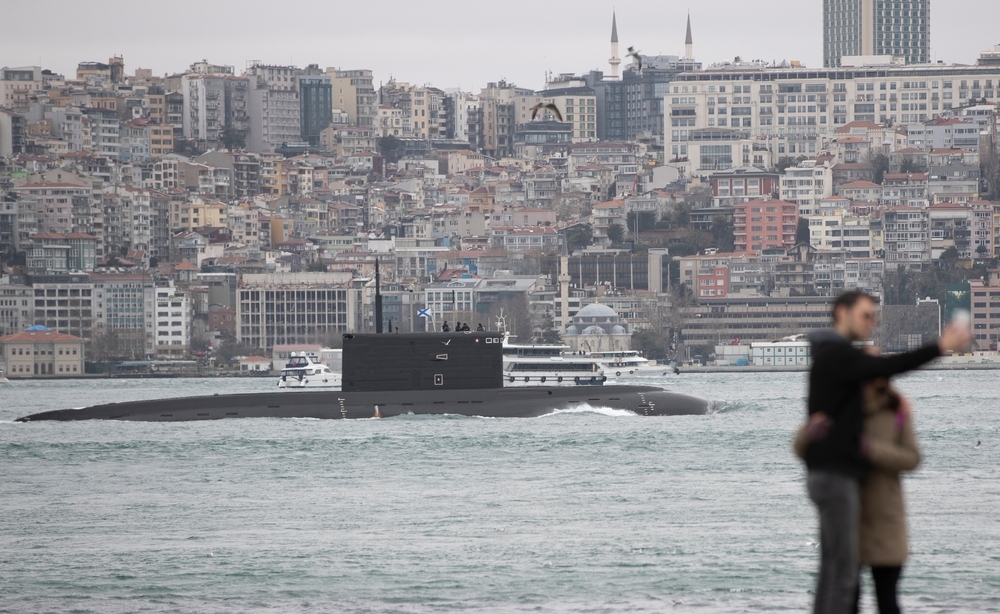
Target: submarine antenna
[378,299]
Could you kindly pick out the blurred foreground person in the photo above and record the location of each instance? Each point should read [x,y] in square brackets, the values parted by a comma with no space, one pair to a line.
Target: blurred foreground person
[889,444]
[833,456]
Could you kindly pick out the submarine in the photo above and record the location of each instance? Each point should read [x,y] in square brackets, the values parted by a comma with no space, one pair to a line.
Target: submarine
[386,375]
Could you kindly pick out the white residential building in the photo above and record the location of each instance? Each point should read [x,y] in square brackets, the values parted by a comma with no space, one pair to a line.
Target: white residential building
[806,185]
[173,322]
[793,107]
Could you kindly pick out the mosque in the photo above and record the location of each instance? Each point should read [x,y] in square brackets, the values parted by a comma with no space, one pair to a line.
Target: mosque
[597,328]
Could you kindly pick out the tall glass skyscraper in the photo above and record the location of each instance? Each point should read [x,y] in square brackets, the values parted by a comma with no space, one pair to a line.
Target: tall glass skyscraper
[876,27]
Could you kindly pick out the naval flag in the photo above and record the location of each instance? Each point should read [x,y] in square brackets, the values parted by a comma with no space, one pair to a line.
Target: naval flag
[424,313]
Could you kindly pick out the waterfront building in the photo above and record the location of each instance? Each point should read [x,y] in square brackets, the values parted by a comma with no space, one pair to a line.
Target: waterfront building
[295,308]
[41,351]
[750,319]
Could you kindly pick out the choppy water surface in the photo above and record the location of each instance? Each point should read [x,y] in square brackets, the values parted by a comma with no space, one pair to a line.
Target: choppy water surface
[582,511]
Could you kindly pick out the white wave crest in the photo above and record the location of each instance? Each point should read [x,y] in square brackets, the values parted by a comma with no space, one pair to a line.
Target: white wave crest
[590,409]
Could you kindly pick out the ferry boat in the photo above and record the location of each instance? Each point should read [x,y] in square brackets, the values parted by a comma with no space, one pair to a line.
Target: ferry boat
[301,372]
[548,365]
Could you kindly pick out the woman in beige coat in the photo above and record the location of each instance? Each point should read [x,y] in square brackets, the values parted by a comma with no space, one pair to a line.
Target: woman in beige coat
[890,444]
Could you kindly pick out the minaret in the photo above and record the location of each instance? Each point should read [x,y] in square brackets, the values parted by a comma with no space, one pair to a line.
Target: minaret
[688,42]
[564,279]
[615,60]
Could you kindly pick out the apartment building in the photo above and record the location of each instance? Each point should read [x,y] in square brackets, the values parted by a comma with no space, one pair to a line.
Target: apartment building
[353,93]
[273,109]
[212,103]
[906,237]
[578,106]
[764,224]
[806,185]
[17,310]
[944,132]
[62,253]
[841,232]
[172,328]
[65,303]
[792,106]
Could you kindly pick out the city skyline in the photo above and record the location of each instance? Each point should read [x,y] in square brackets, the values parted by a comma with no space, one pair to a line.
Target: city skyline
[436,47]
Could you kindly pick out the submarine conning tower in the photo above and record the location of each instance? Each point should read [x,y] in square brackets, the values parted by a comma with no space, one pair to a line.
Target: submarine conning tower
[422,361]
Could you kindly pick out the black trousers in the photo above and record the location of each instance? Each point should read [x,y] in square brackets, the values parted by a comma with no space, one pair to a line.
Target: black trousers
[886,579]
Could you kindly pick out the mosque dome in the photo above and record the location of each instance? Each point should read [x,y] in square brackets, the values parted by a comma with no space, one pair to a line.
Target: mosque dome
[618,329]
[572,330]
[595,311]
[593,330]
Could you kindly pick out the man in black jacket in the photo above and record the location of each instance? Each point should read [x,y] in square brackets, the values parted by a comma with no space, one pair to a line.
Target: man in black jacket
[835,458]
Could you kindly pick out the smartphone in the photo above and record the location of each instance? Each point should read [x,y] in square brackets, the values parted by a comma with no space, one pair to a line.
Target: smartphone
[961,317]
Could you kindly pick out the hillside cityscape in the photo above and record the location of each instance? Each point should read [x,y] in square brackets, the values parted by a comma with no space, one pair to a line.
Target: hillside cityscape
[216,213]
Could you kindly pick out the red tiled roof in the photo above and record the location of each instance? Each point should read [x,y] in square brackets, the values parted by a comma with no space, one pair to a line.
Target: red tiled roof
[38,336]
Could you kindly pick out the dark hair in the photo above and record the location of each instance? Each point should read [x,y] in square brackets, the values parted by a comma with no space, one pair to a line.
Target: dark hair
[849,299]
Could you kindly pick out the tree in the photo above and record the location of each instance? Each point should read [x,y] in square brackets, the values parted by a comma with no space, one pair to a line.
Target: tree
[679,217]
[233,139]
[880,165]
[390,148]
[317,267]
[647,220]
[802,232]
[616,233]
[981,251]
[787,161]
[909,165]
[949,258]
[723,233]
[548,333]
[579,237]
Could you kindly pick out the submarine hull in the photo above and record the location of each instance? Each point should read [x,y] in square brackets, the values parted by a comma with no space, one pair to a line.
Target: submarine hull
[495,403]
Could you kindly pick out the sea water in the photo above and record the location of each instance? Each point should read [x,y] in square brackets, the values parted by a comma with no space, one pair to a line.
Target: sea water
[588,510]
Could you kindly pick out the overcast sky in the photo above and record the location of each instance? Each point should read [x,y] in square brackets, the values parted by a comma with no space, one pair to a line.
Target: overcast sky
[445,43]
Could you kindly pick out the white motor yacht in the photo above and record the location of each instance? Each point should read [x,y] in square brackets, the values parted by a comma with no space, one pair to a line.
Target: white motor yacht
[625,362]
[302,372]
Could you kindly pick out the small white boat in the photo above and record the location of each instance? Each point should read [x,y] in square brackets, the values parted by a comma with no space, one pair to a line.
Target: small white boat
[627,362]
[302,372]
[3,378]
